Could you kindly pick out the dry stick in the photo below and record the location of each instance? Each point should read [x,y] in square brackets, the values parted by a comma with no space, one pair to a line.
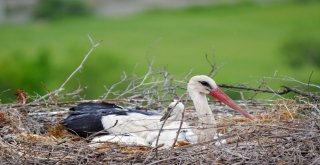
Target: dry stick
[141,83]
[178,132]
[302,93]
[278,126]
[235,154]
[102,131]
[123,79]
[279,92]
[94,46]
[315,161]
[161,128]
[262,83]
[309,80]
[71,102]
[213,66]
[290,79]
[181,156]
[61,88]
[149,152]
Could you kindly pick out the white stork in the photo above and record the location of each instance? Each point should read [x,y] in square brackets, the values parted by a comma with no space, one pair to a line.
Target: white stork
[198,88]
[139,129]
[142,127]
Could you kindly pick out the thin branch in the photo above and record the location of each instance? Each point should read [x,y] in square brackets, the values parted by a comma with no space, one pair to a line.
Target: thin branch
[302,93]
[287,90]
[212,65]
[165,120]
[280,92]
[61,88]
[123,79]
[290,79]
[181,122]
[146,76]
[93,47]
[102,131]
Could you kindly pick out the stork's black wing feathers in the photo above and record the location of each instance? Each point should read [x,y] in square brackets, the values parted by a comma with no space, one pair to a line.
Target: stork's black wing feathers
[83,124]
[142,112]
[85,118]
[90,105]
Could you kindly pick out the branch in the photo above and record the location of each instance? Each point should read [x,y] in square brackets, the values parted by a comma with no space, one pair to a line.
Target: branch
[61,88]
[164,122]
[280,92]
[141,83]
[181,122]
[302,93]
[94,46]
[290,79]
[287,90]
[123,79]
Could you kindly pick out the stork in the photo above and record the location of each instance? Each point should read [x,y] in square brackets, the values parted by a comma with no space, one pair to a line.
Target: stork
[139,129]
[137,126]
[85,119]
[198,88]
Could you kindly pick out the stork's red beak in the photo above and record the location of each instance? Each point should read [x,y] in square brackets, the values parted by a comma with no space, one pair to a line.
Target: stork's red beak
[221,96]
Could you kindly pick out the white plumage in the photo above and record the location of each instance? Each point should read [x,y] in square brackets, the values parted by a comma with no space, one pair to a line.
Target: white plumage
[143,130]
[134,127]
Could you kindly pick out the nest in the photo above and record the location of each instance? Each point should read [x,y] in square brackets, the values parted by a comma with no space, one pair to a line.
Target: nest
[285,132]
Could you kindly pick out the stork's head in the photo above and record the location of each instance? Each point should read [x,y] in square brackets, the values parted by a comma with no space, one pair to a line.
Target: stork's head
[204,85]
[174,111]
[201,84]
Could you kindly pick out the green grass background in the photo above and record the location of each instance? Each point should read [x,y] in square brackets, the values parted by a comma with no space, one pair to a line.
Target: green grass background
[244,39]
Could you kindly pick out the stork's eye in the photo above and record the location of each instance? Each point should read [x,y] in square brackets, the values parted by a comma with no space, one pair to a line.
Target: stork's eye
[206,84]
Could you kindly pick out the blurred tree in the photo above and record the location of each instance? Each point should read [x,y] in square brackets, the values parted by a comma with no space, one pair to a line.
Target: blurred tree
[55,9]
[24,73]
[302,51]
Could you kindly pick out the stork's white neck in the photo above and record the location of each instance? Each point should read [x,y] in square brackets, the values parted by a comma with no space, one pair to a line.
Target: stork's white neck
[202,107]
[206,119]
[198,87]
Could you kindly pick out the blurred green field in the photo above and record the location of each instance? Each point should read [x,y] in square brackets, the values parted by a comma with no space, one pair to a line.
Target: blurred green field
[244,39]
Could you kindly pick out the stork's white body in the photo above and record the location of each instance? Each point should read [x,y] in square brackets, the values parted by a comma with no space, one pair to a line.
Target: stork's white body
[169,134]
[127,139]
[143,129]
[138,124]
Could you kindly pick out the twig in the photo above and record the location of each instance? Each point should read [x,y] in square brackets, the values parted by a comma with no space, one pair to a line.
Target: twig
[164,121]
[178,132]
[123,79]
[315,161]
[290,79]
[176,157]
[61,88]
[287,90]
[235,154]
[262,83]
[280,92]
[141,83]
[213,67]
[278,126]
[102,131]
[309,80]
[94,46]
[302,93]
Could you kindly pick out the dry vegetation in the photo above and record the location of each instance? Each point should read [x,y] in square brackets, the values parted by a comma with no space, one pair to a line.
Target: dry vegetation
[287,131]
